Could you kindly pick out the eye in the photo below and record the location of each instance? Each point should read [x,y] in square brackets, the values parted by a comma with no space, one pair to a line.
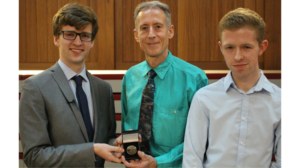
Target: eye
[158,27]
[86,35]
[69,34]
[247,47]
[229,48]
[144,28]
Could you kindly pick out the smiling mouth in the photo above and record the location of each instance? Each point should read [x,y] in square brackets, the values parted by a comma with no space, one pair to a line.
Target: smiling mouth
[151,44]
[76,50]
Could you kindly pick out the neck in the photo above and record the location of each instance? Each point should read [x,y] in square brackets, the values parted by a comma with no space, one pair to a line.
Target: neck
[154,61]
[75,67]
[246,83]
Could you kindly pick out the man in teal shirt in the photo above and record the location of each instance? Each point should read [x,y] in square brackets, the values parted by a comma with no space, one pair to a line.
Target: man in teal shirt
[175,85]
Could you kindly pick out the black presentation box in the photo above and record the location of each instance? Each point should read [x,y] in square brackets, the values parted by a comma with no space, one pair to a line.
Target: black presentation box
[131,144]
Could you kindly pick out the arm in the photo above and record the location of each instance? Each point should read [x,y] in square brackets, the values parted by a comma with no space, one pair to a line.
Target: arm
[176,154]
[172,157]
[277,147]
[195,134]
[38,149]
[36,140]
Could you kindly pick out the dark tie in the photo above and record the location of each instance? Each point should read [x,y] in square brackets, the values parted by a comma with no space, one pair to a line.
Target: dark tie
[145,120]
[83,106]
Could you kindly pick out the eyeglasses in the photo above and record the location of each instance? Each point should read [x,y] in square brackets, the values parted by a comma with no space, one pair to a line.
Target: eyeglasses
[70,35]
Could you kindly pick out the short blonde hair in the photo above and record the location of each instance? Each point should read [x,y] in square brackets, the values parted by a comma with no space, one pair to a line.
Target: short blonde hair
[242,17]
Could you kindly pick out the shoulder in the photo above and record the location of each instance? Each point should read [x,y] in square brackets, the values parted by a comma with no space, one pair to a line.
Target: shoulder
[40,78]
[188,68]
[212,90]
[136,69]
[274,89]
[100,82]
[276,94]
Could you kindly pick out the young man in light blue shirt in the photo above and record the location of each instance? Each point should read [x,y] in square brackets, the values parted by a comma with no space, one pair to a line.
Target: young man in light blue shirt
[236,122]
[176,82]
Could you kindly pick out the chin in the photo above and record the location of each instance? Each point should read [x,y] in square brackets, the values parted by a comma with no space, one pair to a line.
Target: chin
[77,61]
[153,54]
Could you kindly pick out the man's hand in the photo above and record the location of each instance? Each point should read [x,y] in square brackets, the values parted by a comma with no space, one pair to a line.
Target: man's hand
[107,152]
[145,162]
[118,142]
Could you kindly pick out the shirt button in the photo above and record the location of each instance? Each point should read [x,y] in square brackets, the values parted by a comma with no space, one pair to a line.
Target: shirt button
[242,143]
[245,95]
[174,111]
[239,166]
[244,118]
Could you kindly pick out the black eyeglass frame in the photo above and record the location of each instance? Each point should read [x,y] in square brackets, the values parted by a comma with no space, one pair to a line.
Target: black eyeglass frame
[77,34]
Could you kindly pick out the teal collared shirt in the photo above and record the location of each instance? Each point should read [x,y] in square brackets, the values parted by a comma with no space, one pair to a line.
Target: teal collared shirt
[175,85]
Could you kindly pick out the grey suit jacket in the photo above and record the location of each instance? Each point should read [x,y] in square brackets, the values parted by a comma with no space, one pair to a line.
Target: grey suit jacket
[52,129]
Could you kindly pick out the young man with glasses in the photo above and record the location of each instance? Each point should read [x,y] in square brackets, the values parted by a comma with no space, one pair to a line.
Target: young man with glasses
[67,115]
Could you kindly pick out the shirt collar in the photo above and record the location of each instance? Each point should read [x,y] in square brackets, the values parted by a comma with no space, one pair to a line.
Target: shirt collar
[263,83]
[69,73]
[161,69]
[228,81]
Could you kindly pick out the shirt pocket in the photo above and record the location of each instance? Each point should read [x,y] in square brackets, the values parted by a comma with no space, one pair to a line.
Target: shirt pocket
[169,126]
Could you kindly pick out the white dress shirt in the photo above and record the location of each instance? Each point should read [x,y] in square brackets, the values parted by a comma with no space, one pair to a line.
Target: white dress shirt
[227,127]
[69,73]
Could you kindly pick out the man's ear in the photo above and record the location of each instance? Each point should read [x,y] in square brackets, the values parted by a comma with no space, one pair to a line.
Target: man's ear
[171,31]
[56,41]
[220,45]
[92,44]
[136,37]
[262,47]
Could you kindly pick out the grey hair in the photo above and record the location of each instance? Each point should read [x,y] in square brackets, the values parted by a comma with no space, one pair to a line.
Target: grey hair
[151,5]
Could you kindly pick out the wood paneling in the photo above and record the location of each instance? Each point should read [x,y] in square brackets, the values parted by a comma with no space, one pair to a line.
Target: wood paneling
[22,31]
[52,8]
[31,29]
[195,39]
[103,50]
[37,50]
[42,30]
[272,59]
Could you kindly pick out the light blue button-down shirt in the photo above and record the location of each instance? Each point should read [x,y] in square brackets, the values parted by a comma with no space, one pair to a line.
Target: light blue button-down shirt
[227,127]
[175,85]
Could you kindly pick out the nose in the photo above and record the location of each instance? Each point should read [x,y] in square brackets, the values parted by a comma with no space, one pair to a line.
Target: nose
[238,55]
[77,40]
[151,33]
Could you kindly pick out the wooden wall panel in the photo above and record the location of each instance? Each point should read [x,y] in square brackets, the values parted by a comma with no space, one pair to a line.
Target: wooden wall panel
[173,43]
[37,50]
[31,29]
[52,8]
[195,39]
[131,49]
[22,31]
[42,42]
[109,55]
[272,59]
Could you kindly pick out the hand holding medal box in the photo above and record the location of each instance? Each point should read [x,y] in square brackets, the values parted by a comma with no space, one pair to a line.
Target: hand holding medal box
[131,144]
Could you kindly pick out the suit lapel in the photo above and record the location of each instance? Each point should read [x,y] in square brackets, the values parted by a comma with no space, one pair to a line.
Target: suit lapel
[96,103]
[65,88]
